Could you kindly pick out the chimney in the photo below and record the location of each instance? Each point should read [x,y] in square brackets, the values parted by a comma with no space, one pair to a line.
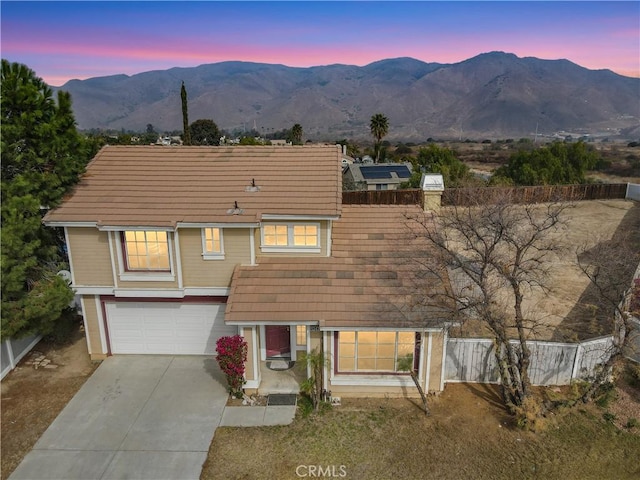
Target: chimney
[432,185]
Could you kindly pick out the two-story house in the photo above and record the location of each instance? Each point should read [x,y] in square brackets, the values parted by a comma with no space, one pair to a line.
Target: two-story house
[171,248]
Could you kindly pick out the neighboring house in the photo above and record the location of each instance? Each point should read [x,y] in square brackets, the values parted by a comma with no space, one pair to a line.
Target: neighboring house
[381,176]
[172,248]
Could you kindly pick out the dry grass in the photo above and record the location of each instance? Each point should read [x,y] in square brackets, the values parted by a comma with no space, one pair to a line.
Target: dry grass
[468,435]
[32,399]
[560,314]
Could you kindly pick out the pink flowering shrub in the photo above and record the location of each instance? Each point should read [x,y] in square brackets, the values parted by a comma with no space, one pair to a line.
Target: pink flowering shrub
[232,354]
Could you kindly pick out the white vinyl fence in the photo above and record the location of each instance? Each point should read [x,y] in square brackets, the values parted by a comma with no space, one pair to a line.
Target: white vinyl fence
[633,191]
[12,351]
[552,363]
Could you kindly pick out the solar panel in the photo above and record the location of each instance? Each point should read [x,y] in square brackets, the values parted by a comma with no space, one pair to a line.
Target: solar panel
[384,171]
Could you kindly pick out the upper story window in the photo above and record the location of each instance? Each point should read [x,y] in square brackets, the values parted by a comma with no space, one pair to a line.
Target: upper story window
[146,251]
[291,237]
[212,244]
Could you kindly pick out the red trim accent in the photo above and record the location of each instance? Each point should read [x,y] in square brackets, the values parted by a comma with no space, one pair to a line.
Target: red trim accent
[106,326]
[187,299]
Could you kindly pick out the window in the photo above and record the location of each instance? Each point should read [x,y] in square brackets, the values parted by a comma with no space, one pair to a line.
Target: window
[212,245]
[146,251]
[305,235]
[282,237]
[301,335]
[276,235]
[373,351]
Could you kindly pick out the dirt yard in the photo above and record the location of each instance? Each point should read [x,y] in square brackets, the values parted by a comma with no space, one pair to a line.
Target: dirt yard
[589,223]
[32,398]
[555,312]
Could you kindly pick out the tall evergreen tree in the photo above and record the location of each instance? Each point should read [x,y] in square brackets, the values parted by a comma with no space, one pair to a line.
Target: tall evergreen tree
[186,140]
[42,157]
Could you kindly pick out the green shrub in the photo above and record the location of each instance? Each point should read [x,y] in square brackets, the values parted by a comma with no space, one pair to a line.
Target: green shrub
[632,423]
[608,417]
[632,372]
[65,327]
[305,405]
[606,394]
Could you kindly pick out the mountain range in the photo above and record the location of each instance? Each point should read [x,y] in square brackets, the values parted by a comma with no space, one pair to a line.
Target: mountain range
[492,95]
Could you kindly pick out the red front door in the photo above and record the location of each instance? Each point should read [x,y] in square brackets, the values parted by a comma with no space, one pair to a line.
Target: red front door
[277,340]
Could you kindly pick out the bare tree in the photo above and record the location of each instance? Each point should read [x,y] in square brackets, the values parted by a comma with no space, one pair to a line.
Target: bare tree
[610,267]
[494,254]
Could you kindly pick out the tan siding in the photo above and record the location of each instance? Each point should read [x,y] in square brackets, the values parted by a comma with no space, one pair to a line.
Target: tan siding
[92,331]
[316,341]
[249,374]
[324,231]
[197,272]
[90,256]
[437,344]
[376,392]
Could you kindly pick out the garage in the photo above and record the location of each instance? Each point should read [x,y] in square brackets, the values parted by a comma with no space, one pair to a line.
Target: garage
[171,328]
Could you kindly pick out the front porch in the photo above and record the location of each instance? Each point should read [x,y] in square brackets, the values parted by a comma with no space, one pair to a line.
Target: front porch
[280,381]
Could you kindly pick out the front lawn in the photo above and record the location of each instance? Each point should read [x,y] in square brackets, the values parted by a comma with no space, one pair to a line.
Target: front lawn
[467,436]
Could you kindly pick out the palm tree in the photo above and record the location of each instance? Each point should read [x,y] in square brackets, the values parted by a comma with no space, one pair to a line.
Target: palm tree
[296,134]
[379,128]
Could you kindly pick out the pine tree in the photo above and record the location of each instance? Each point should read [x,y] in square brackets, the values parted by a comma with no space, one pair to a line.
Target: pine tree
[42,158]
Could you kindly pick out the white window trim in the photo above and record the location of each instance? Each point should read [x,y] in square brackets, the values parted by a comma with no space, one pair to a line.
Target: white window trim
[212,255]
[142,276]
[290,247]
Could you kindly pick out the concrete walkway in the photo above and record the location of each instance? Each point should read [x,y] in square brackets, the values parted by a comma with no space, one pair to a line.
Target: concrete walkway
[257,416]
[142,417]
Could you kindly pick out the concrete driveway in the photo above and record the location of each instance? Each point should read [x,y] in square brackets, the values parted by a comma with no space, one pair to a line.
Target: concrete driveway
[142,417]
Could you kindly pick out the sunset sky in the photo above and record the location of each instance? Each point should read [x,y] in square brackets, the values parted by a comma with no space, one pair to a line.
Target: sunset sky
[65,40]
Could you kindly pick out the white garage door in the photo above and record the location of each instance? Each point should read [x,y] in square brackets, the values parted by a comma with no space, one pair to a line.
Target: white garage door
[166,328]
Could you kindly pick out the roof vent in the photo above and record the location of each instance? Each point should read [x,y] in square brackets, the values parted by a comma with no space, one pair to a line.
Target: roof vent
[253,187]
[235,210]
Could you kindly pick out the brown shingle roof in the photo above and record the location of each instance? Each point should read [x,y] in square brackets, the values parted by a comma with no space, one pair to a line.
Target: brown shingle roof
[161,186]
[367,282]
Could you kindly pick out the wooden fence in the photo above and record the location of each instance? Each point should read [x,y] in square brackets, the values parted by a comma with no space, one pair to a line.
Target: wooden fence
[383,197]
[552,363]
[537,194]
[464,196]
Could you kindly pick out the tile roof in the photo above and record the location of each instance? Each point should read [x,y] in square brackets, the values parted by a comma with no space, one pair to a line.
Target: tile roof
[367,282]
[161,186]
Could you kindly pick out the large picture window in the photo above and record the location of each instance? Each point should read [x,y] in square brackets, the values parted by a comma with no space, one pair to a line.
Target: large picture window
[373,351]
[146,251]
[291,236]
